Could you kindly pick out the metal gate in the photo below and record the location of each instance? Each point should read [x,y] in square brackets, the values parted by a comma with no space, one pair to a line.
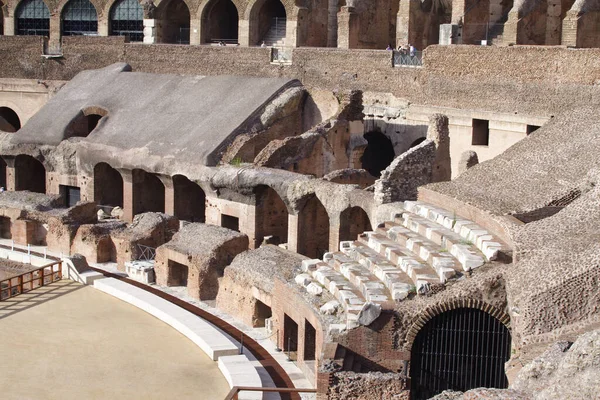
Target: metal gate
[459,349]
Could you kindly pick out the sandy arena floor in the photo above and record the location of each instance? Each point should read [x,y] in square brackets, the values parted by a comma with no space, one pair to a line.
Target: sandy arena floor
[68,341]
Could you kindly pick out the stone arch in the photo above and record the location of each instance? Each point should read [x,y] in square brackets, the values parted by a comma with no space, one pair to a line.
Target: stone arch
[313,229]
[125,18]
[9,120]
[189,199]
[176,19]
[462,342]
[84,123]
[437,309]
[220,21]
[78,17]
[418,142]
[108,186]
[148,192]
[353,221]
[271,215]
[378,154]
[32,17]
[30,174]
[260,15]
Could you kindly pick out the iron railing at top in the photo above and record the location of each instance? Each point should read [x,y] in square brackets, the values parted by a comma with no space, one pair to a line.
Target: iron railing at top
[281,55]
[30,280]
[292,392]
[146,253]
[408,59]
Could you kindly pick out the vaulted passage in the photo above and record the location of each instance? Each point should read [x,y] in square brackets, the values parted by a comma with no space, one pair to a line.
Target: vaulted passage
[268,22]
[460,350]
[189,199]
[379,153]
[148,193]
[175,22]
[30,174]
[220,21]
[313,229]
[108,186]
[353,221]
[9,120]
[271,216]
[82,125]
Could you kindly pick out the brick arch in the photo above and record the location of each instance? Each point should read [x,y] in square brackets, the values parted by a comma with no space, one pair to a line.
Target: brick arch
[432,311]
[10,8]
[291,10]
[95,109]
[161,4]
[61,6]
[202,7]
[106,10]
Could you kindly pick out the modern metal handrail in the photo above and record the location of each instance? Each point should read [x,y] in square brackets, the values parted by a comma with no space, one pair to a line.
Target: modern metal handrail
[233,393]
[405,59]
[27,281]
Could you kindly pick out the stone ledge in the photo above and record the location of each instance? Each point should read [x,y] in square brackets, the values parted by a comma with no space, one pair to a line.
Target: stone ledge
[239,371]
[210,339]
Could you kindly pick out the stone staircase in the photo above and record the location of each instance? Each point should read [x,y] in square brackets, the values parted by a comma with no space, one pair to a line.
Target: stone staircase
[420,246]
[275,37]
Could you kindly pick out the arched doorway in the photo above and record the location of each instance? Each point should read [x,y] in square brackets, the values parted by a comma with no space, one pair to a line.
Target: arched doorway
[108,186]
[353,221]
[30,174]
[190,200]
[32,18]
[148,192]
[175,16]
[313,229]
[459,349]
[271,216]
[268,23]
[9,120]
[82,125]
[379,153]
[127,19]
[220,22]
[79,17]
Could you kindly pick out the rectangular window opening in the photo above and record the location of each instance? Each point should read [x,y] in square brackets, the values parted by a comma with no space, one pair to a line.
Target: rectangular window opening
[481,132]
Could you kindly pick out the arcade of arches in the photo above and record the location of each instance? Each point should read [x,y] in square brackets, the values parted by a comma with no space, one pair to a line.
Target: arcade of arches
[220,22]
[175,17]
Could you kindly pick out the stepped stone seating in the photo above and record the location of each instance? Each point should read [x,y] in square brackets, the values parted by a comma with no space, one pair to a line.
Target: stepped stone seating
[470,233]
[423,245]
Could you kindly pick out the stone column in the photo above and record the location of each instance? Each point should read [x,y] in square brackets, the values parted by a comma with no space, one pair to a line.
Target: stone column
[334,236]
[348,27]
[102,25]
[128,194]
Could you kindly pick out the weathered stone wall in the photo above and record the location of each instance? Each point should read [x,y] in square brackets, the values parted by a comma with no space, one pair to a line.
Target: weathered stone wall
[373,385]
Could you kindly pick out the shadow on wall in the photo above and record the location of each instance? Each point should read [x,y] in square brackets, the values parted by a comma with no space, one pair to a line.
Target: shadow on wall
[379,153]
[320,105]
[9,120]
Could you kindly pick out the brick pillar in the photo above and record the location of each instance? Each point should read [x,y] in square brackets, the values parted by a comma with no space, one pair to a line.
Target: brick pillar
[11,177]
[128,195]
[244,32]
[195,31]
[569,29]
[54,39]
[9,26]
[348,26]
[406,22]
[511,28]
[334,236]
[102,25]
[332,23]
[293,224]
[169,194]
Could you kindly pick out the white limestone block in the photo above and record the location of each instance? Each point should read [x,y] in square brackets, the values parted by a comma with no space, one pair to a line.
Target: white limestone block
[303,279]
[310,265]
[369,313]
[314,289]
[330,308]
